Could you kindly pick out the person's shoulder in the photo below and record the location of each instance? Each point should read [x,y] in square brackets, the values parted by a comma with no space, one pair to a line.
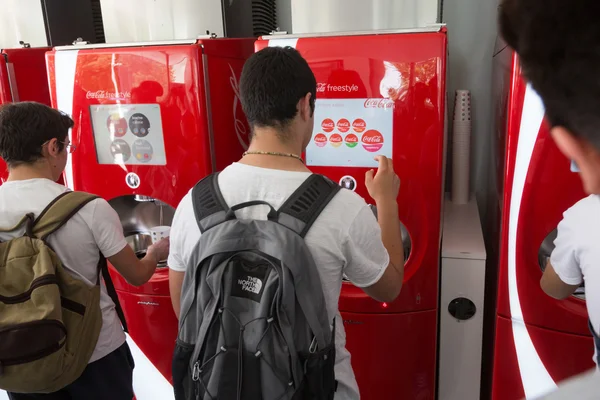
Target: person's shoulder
[583,210]
[349,199]
[344,209]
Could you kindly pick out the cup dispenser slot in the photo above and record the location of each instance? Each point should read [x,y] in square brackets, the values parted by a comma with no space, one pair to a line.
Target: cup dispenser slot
[406,242]
[138,214]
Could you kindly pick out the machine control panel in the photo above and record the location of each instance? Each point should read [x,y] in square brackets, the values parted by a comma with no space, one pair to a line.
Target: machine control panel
[351,132]
[130,134]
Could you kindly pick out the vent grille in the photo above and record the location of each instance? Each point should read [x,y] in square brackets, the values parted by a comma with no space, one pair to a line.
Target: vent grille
[97,21]
[264,17]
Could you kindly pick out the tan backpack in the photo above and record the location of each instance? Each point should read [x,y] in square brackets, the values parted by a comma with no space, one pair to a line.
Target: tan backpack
[49,320]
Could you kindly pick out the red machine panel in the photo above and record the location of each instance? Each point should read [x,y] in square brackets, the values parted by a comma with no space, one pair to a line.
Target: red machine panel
[150,122]
[385,93]
[23,77]
[548,337]
[395,339]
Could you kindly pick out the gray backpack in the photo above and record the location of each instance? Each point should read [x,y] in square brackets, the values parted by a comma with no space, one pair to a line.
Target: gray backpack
[253,319]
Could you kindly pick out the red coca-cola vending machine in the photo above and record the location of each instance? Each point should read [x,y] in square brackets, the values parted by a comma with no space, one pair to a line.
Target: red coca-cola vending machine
[385,93]
[22,78]
[151,120]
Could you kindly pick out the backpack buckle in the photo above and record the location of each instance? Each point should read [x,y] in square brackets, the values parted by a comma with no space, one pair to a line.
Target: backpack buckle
[313,346]
[196,372]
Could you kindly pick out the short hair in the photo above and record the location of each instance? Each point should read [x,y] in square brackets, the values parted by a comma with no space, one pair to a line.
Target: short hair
[273,81]
[25,127]
[558,43]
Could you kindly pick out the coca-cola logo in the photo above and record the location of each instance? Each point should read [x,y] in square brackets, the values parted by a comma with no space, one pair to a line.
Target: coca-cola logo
[372,140]
[359,125]
[328,125]
[343,125]
[379,103]
[106,95]
[320,140]
[352,140]
[336,140]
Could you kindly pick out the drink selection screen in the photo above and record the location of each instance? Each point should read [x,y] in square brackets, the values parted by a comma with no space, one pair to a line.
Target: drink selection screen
[128,134]
[351,132]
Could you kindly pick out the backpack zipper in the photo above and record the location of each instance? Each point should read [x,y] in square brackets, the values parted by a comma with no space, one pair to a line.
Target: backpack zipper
[39,354]
[23,297]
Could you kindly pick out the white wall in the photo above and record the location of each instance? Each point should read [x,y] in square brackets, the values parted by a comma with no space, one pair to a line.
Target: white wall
[22,20]
[471,35]
[309,16]
[143,20]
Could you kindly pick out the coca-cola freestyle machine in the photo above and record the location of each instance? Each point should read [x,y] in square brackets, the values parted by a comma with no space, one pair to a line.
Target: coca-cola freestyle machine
[151,119]
[385,93]
[22,78]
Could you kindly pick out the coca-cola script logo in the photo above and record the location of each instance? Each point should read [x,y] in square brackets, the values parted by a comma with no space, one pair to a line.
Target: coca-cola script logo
[105,95]
[343,125]
[352,140]
[379,103]
[320,140]
[359,125]
[372,141]
[336,140]
[328,125]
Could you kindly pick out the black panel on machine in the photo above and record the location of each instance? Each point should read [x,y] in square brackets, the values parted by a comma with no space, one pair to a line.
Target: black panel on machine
[67,20]
[263,18]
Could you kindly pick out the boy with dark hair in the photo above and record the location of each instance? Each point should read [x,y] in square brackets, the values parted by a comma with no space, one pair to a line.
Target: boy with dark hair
[278,91]
[35,144]
[557,43]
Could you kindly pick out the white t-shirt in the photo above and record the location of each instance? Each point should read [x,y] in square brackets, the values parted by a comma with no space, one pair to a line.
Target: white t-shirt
[576,256]
[345,239]
[95,227]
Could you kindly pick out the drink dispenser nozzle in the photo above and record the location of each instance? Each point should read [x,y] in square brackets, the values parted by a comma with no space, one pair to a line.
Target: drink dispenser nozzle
[147,199]
[142,198]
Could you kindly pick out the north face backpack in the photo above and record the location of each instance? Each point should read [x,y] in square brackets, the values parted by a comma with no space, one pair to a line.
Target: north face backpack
[49,321]
[253,321]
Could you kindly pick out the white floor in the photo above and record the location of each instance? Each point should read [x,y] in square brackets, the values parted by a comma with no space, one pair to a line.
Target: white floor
[148,382]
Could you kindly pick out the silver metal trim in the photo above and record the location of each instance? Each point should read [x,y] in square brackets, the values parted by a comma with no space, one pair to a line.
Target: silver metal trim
[427,29]
[209,115]
[126,44]
[12,82]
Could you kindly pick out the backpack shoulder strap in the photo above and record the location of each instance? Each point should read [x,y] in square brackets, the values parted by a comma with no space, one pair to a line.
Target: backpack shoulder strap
[59,211]
[210,208]
[303,207]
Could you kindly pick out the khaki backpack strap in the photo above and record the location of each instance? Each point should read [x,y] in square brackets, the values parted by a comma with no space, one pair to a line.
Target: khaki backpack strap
[26,220]
[59,211]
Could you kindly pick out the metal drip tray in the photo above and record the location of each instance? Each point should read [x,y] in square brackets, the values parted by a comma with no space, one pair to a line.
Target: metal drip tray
[544,257]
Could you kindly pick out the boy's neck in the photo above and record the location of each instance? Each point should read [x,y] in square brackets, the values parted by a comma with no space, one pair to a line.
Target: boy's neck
[266,140]
[38,170]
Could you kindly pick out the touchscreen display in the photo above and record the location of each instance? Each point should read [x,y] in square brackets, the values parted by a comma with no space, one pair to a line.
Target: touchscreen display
[351,132]
[128,134]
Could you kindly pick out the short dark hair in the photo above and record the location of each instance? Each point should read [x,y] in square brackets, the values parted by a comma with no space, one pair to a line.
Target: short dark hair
[25,127]
[558,43]
[273,81]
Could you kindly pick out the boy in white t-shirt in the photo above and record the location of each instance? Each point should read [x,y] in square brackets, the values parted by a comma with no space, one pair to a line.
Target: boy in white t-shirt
[557,42]
[34,143]
[278,92]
